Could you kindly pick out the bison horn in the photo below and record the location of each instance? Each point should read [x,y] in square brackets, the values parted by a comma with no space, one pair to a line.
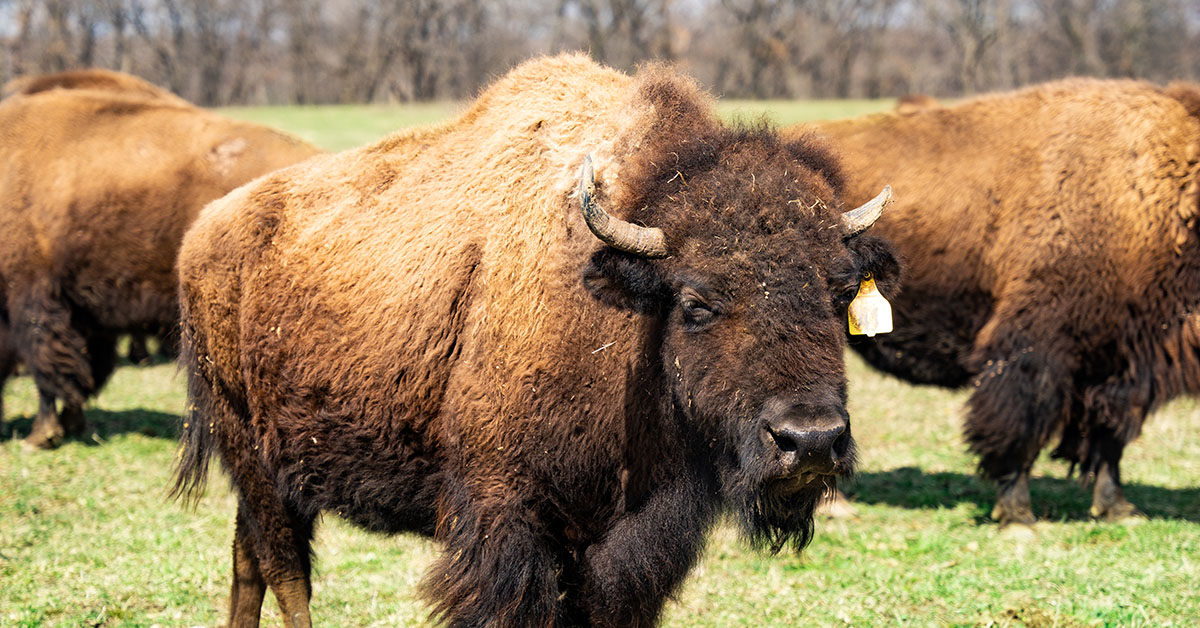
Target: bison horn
[617,233]
[857,220]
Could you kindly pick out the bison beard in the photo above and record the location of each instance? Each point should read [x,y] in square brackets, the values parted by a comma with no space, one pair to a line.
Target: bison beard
[565,398]
[774,514]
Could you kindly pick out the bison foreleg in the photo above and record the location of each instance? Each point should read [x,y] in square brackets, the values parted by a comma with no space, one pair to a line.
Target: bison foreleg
[58,354]
[47,431]
[496,569]
[646,555]
[1013,503]
[1021,396]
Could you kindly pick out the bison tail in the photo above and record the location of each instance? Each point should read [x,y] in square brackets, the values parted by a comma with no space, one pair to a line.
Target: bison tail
[198,430]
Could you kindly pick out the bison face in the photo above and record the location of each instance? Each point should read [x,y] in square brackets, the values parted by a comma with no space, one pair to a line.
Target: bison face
[752,306]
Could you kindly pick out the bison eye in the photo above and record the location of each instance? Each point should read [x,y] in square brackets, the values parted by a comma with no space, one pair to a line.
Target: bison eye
[696,313]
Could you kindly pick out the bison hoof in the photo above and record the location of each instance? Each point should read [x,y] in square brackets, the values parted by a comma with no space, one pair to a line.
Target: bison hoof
[1008,515]
[43,439]
[1117,512]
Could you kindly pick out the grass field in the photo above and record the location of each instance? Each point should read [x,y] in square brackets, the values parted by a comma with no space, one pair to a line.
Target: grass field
[337,128]
[87,537]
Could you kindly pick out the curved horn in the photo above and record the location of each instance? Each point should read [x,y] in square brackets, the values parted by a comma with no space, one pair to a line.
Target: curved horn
[857,220]
[626,236]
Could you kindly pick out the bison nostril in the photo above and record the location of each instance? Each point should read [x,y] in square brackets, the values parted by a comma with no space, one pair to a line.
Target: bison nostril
[784,442]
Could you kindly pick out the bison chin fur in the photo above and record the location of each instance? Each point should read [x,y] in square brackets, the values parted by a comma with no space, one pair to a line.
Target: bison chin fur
[773,513]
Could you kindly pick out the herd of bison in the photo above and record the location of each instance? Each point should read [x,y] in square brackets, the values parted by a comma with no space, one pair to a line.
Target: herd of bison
[566,332]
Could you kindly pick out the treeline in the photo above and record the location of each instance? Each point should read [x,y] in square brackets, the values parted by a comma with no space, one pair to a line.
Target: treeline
[218,52]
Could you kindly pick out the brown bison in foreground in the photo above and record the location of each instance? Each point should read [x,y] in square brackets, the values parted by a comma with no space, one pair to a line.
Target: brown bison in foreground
[100,174]
[448,333]
[1054,266]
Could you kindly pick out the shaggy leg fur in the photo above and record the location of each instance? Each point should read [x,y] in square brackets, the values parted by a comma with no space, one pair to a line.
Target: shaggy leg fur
[644,558]
[1021,397]
[49,344]
[500,574]
[68,359]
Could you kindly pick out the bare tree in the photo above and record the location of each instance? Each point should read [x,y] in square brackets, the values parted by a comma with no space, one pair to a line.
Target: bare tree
[623,33]
[315,51]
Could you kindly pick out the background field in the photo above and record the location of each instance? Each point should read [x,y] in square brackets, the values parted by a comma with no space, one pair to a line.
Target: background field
[87,537]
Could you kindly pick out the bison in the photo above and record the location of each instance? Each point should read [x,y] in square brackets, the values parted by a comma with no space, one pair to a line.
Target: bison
[101,174]
[911,103]
[1054,260]
[561,334]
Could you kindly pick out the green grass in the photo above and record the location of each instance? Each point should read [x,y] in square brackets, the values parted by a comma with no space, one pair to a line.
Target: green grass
[87,537]
[340,127]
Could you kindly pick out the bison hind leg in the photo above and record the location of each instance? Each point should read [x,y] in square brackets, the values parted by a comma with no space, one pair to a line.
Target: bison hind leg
[272,548]
[248,588]
[272,544]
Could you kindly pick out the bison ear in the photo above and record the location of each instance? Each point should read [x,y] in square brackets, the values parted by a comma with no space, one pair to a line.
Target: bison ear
[625,281]
[876,256]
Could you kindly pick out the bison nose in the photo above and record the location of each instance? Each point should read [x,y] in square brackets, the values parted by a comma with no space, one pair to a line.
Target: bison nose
[807,442]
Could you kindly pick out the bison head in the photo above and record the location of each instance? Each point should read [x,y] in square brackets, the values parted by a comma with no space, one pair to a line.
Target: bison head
[749,267]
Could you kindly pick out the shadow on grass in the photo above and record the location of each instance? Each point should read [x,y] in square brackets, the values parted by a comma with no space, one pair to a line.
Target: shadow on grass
[106,424]
[1054,499]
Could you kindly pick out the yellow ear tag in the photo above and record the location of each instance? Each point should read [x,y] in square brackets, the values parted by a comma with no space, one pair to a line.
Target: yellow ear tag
[869,312]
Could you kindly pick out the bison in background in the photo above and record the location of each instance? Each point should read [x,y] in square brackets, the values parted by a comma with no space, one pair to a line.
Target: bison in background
[100,174]
[562,368]
[912,103]
[1053,266]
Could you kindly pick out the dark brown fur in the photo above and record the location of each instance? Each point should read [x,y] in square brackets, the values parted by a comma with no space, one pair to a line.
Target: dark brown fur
[424,335]
[1054,266]
[101,174]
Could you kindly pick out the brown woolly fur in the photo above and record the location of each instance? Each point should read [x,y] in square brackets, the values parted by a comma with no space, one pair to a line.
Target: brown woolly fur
[101,174]
[425,335]
[1054,263]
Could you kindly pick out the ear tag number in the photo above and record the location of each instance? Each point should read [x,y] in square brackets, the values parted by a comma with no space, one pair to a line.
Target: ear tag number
[869,312]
